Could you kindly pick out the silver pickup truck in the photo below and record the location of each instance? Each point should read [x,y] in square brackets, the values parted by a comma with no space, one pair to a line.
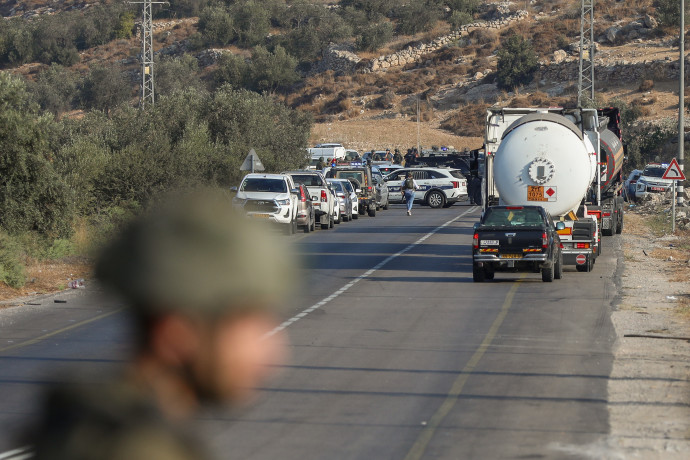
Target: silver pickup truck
[322,197]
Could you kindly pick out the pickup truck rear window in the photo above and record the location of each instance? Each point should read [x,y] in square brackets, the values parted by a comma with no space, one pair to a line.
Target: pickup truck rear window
[356,175]
[264,185]
[308,180]
[513,217]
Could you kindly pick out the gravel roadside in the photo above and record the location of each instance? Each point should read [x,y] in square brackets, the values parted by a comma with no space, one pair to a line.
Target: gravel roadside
[649,388]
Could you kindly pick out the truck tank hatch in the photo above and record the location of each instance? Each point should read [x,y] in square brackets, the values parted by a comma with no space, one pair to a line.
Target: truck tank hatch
[541,170]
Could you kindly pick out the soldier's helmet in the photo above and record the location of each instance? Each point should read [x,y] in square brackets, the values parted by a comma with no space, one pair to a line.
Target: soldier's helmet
[195,254]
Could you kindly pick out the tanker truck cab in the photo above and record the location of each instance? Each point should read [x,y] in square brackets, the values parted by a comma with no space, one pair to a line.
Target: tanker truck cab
[516,238]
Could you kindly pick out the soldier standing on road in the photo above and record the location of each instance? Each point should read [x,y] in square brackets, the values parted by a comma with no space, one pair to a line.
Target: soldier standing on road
[388,156]
[397,157]
[203,285]
[408,187]
[321,164]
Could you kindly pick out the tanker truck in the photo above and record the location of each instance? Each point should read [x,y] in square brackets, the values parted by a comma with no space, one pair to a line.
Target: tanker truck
[565,160]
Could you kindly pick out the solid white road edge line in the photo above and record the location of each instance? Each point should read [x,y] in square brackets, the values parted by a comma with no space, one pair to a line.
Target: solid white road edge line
[366,274]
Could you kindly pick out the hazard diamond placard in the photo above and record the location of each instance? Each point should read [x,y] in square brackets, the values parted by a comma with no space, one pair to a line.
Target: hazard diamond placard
[673,172]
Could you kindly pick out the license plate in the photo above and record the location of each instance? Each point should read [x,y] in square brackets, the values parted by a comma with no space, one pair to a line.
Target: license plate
[489,242]
[511,256]
[658,189]
[261,216]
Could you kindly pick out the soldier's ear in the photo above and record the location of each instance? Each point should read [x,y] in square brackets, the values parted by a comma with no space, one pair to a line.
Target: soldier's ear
[174,339]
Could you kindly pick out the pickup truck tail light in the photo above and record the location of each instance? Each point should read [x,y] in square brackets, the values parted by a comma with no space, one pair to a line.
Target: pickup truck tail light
[581,245]
[324,196]
[303,196]
[607,214]
[475,241]
[544,240]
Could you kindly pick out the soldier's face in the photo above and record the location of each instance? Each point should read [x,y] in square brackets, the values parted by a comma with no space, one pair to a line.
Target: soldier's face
[240,355]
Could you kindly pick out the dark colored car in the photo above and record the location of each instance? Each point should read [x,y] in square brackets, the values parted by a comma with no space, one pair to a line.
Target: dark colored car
[363,179]
[516,238]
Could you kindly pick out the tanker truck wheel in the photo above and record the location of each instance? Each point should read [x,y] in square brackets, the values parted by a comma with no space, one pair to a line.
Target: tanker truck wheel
[621,217]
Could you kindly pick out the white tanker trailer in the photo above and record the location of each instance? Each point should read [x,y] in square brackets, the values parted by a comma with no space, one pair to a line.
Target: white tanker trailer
[549,157]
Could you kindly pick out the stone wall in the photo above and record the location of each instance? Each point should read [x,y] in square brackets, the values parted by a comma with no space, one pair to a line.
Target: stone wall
[414,53]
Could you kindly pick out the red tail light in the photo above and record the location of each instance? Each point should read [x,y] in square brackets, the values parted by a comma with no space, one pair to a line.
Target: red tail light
[456,184]
[475,241]
[324,196]
[514,207]
[369,188]
[607,214]
[303,196]
[544,240]
[581,245]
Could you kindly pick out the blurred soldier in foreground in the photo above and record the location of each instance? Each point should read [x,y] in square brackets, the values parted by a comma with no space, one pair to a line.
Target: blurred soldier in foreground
[203,285]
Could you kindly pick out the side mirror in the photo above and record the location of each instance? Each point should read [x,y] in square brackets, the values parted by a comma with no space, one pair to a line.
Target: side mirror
[359,190]
[560,226]
[233,189]
[475,226]
[295,191]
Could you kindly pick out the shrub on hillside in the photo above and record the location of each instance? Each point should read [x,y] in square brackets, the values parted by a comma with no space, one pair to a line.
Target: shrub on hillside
[177,73]
[517,63]
[416,17]
[230,69]
[668,12]
[11,267]
[646,85]
[216,26]
[104,89]
[252,22]
[459,18]
[56,89]
[374,36]
[270,71]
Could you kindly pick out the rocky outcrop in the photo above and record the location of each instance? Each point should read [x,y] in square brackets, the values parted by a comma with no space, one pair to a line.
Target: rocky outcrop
[618,34]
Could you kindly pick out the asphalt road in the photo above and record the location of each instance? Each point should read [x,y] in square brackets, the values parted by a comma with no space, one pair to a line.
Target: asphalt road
[395,352]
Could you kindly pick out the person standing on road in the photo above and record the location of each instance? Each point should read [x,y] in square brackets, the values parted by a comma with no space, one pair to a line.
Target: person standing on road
[408,188]
[321,165]
[203,286]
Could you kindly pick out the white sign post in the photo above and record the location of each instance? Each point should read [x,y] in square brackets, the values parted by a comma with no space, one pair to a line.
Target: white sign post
[674,173]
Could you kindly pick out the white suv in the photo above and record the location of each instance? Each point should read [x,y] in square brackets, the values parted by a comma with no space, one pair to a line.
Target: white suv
[650,181]
[438,187]
[269,196]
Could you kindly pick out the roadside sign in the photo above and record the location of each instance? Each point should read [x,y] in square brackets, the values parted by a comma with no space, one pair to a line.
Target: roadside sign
[673,172]
[581,259]
[252,162]
[541,193]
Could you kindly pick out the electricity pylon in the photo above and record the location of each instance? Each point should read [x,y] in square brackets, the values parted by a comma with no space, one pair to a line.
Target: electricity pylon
[585,82]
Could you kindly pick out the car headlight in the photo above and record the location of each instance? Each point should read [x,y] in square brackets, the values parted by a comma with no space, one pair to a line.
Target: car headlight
[284,202]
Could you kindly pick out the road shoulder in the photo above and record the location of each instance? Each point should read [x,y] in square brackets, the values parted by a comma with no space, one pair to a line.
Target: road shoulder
[649,391]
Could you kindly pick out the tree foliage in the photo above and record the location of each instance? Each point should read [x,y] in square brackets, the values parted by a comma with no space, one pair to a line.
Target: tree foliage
[517,62]
[668,12]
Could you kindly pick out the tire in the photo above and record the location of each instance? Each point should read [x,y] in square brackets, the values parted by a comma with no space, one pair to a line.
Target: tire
[355,216]
[489,274]
[372,212]
[325,226]
[313,224]
[478,274]
[345,218]
[619,228]
[307,228]
[436,199]
[558,267]
[387,204]
[547,274]
[448,205]
[331,222]
[290,228]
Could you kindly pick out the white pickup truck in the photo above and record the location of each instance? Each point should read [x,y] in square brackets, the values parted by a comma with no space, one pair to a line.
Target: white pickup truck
[322,197]
[268,196]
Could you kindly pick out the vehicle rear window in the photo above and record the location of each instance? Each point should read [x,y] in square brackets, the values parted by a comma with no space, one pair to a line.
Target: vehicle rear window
[513,217]
[337,186]
[456,173]
[264,185]
[356,175]
[309,180]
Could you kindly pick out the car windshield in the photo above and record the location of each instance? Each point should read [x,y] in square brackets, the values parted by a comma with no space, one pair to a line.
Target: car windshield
[308,180]
[654,171]
[264,185]
[356,175]
[512,217]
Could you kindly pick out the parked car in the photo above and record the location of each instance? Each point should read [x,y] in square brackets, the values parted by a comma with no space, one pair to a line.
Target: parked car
[269,196]
[343,196]
[517,238]
[388,168]
[438,187]
[306,218]
[629,185]
[353,198]
[382,195]
[321,196]
[650,181]
[364,185]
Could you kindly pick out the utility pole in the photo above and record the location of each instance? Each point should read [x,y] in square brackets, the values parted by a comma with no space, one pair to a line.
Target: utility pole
[585,82]
[147,87]
[681,103]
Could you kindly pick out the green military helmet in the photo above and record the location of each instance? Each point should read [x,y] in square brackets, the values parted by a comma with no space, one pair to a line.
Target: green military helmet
[196,255]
